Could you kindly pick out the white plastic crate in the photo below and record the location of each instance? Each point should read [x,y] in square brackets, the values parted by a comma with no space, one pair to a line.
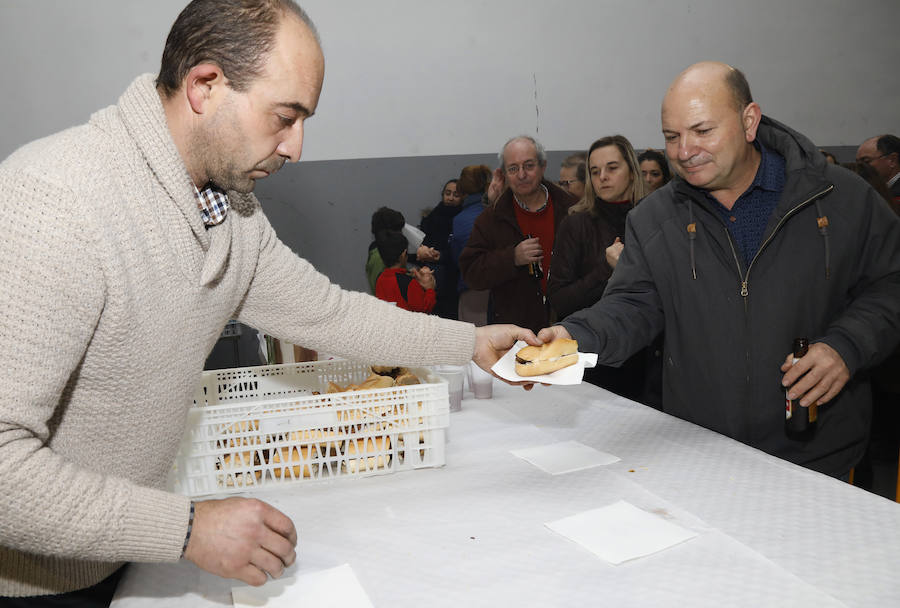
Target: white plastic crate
[268,426]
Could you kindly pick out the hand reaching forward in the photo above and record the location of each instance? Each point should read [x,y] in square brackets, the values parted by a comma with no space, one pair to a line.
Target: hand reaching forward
[549,334]
[241,538]
[817,377]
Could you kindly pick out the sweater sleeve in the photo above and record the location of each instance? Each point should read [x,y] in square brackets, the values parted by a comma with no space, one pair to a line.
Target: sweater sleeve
[52,297]
[289,299]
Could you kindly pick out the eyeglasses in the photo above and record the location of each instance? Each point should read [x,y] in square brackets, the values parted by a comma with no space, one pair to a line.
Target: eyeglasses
[527,166]
[565,183]
[868,161]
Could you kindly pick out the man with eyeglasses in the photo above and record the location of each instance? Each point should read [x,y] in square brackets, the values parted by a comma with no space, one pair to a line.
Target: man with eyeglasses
[573,174]
[882,153]
[512,241]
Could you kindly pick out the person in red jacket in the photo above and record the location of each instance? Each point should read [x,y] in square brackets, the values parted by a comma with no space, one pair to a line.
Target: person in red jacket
[410,292]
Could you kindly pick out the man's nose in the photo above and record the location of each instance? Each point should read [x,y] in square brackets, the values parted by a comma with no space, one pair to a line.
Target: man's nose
[686,147]
[292,145]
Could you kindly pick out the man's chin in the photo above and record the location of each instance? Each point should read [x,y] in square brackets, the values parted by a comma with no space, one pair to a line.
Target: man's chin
[244,186]
[696,178]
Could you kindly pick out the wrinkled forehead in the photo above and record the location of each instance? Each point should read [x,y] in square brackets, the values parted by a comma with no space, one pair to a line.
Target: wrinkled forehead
[519,150]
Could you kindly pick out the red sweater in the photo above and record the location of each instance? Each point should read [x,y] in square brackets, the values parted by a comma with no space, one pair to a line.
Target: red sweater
[539,224]
[395,285]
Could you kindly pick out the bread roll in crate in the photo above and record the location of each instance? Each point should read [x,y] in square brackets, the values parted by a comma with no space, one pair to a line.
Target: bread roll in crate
[269,426]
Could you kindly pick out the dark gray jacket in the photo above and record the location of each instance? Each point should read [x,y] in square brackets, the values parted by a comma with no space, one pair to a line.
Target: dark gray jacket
[728,329]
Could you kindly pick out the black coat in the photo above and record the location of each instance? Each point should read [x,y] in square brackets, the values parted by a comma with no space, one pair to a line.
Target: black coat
[727,331]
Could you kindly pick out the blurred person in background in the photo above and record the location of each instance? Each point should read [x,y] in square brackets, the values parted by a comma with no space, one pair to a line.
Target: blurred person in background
[511,245]
[582,264]
[474,182]
[437,226]
[385,218]
[654,169]
[410,290]
[868,173]
[883,154]
[572,175]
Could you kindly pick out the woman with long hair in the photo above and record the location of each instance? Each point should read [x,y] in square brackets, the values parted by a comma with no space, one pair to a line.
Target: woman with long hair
[654,169]
[579,271]
[587,246]
[474,182]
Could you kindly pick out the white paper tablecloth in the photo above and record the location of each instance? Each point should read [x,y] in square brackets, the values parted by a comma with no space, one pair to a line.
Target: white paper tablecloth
[472,533]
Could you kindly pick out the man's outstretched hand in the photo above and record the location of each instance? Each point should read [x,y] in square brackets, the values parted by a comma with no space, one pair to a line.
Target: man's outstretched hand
[549,334]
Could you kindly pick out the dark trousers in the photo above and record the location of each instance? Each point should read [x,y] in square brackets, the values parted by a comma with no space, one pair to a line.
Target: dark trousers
[97,596]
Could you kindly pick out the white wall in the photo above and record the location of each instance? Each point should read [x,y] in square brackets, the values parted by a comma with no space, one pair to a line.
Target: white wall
[414,78]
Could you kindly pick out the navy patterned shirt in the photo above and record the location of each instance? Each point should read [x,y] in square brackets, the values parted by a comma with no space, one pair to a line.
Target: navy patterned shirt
[748,217]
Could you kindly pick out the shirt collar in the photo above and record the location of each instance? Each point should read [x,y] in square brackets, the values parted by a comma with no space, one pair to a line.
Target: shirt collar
[546,200]
[769,175]
[213,204]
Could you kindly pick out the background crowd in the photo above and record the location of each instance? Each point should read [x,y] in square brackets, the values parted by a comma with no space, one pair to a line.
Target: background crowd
[584,249]
[571,254]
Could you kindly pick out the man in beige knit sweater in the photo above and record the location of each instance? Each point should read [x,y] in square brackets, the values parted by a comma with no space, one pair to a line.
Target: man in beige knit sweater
[128,243]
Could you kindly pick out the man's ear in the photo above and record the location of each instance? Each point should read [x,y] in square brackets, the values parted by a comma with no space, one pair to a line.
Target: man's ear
[203,86]
[750,118]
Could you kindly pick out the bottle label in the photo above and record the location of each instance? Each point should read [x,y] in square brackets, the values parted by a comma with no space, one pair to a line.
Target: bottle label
[788,405]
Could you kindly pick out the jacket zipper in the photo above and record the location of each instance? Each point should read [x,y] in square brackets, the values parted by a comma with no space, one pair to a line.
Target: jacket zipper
[745,278]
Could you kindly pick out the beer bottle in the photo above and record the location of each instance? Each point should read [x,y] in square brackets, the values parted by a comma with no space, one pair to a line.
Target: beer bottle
[534,268]
[799,421]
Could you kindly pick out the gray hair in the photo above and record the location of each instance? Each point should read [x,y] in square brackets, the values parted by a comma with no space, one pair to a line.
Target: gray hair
[538,147]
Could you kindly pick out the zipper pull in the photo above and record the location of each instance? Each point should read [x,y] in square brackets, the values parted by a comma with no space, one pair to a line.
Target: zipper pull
[744,291]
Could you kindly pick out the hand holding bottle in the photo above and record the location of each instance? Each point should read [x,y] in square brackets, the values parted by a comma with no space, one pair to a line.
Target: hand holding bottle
[528,250]
[816,378]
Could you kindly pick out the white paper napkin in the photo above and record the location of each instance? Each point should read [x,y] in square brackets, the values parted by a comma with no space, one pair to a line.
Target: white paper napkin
[414,236]
[333,588]
[564,457]
[620,532]
[506,368]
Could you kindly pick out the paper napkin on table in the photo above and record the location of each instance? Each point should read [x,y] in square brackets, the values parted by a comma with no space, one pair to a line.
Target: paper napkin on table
[506,368]
[564,457]
[620,532]
[333,588]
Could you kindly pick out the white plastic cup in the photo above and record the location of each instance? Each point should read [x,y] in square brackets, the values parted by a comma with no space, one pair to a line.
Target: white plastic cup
[454,375]
[480,381]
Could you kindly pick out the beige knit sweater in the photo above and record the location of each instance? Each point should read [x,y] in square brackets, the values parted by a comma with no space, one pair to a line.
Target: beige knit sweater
[112,294]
